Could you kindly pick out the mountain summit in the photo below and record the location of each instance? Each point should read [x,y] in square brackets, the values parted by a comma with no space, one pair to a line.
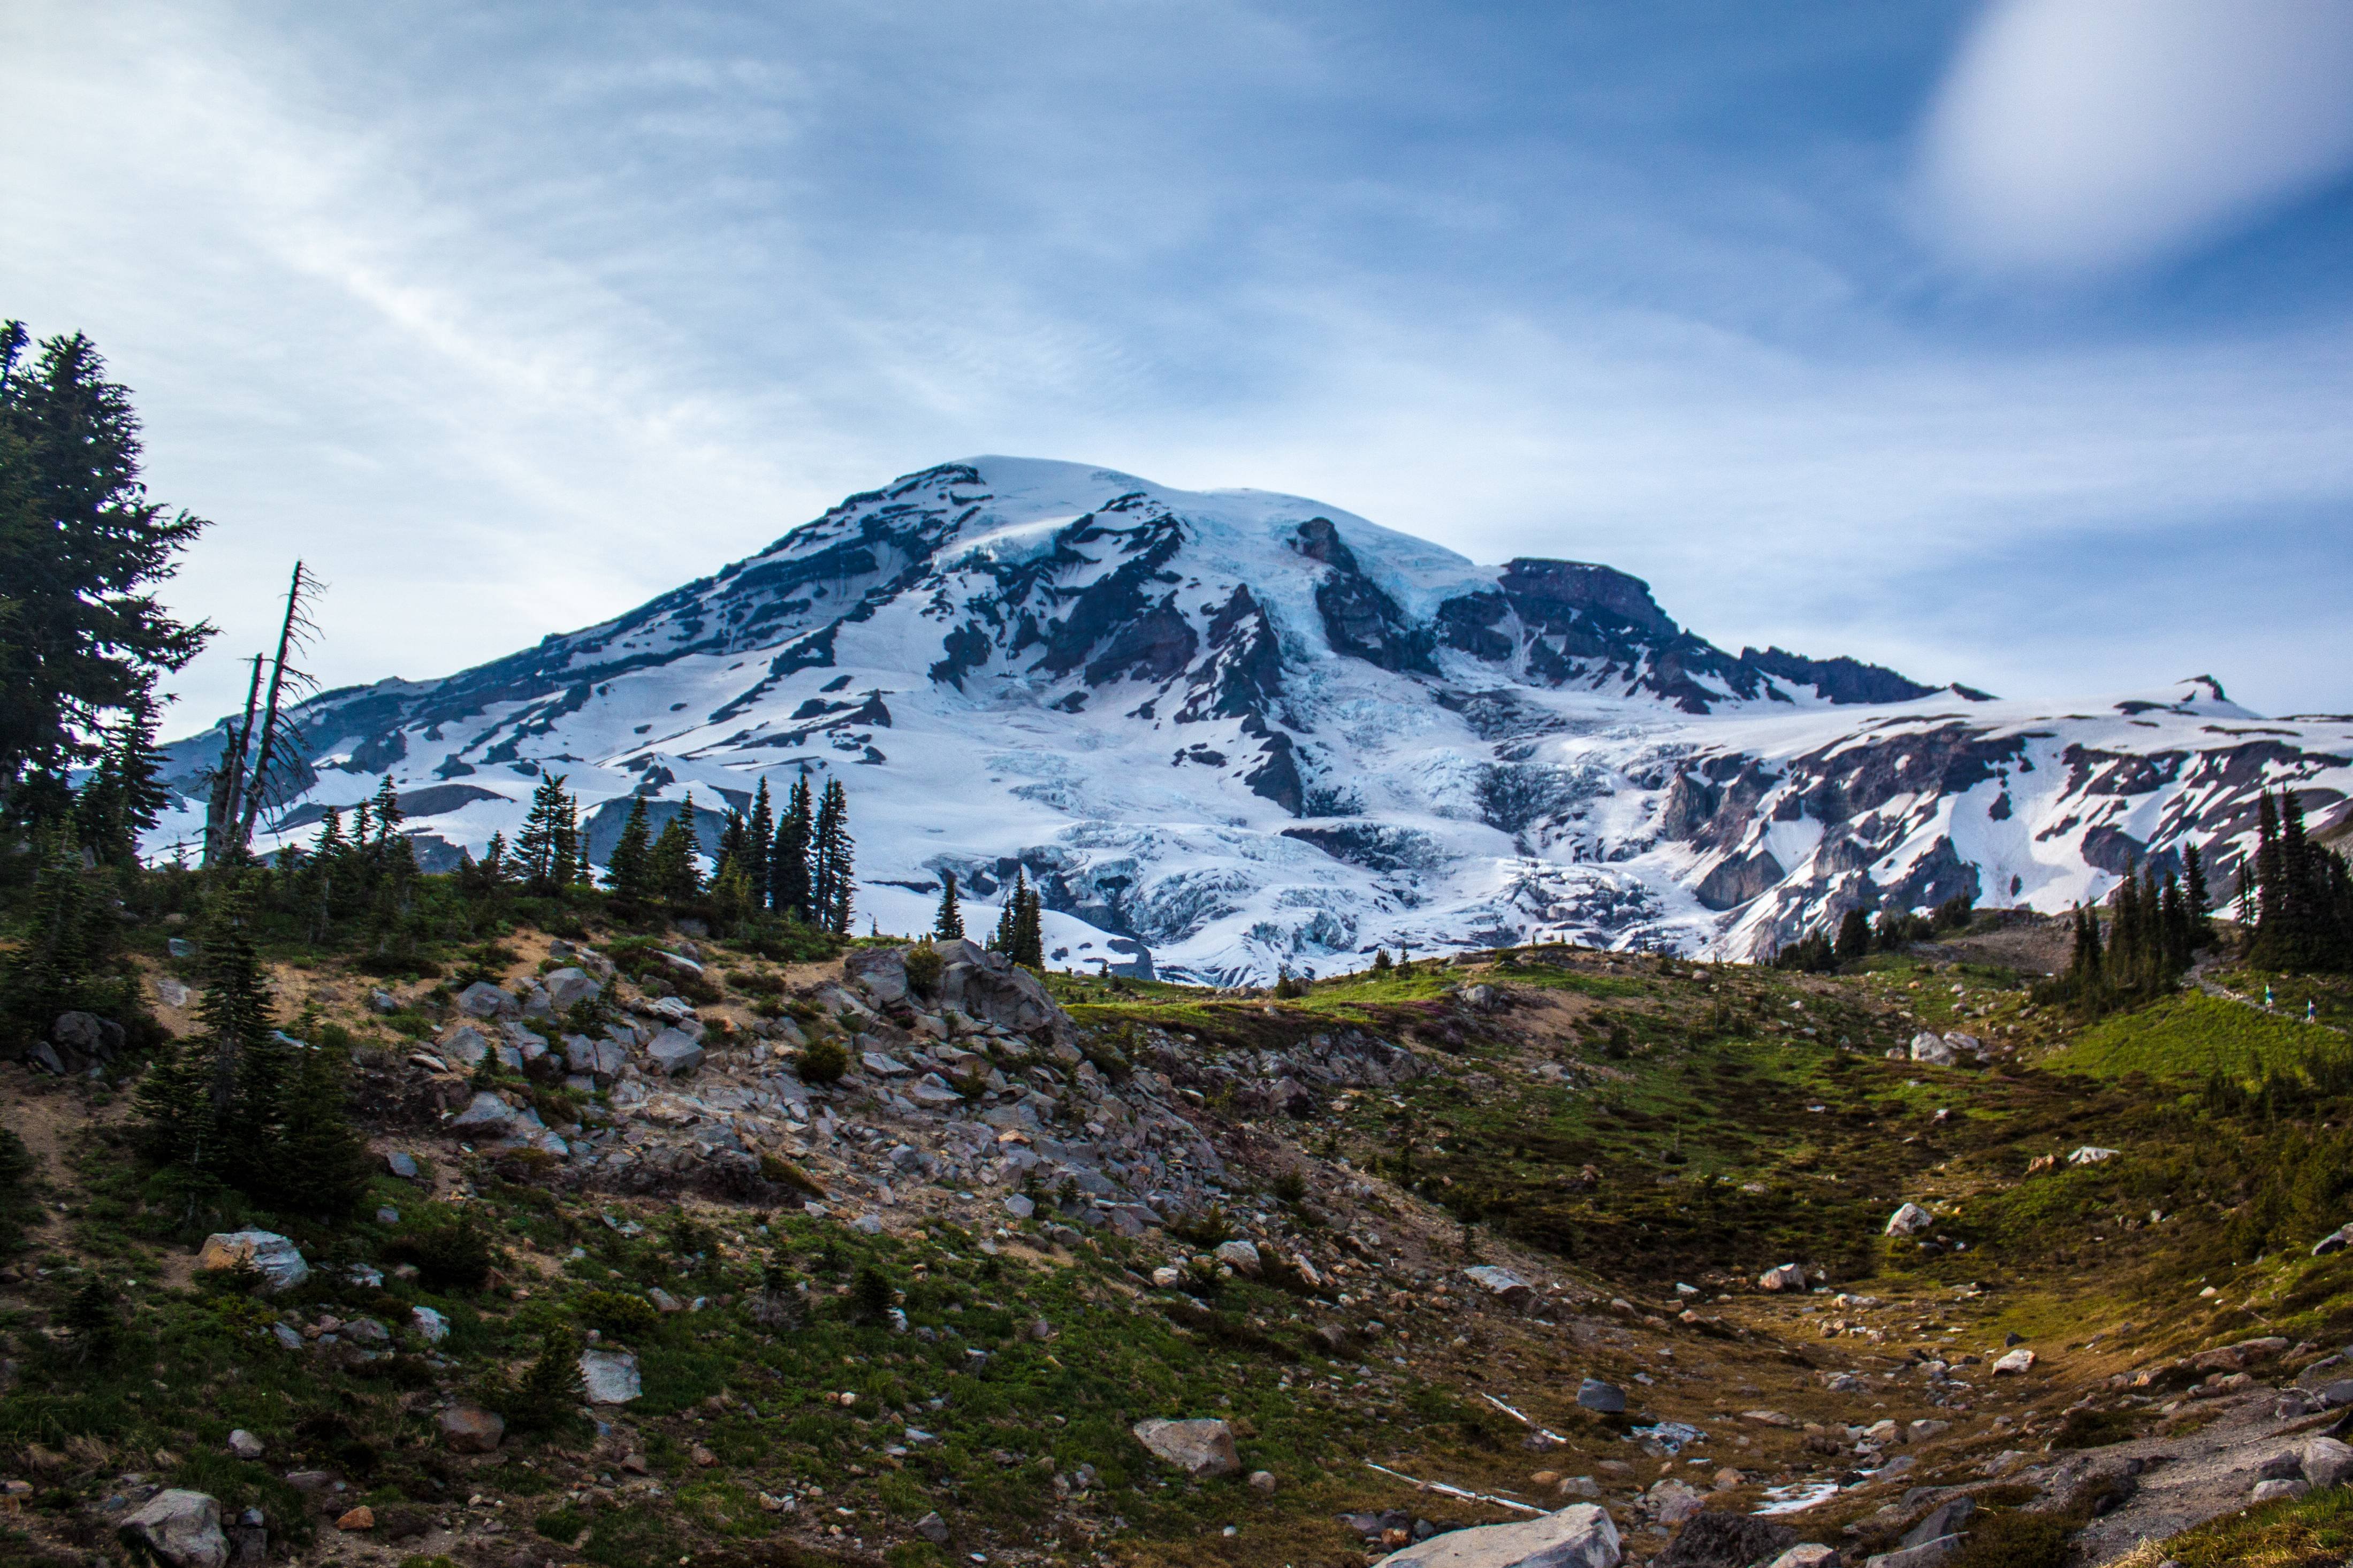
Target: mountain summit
[1229,731]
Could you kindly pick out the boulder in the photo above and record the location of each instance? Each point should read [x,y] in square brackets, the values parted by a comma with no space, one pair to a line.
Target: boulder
[486,1113]
[1789,1276]
[402,1164]
[179,1527]
[2267,1491]
[1932,1049]
[567,988]
[2090,1156]
[2335,1241]
[278,1259]
[2016,1362]
[357,1518]
[1603,1398]
[674,1052]
[430,1326]
[932,1527]
[1725,1541]
[1198,1447]
[245,1445]
[992,989]
[1809,1554]
[2326,1462]
[88,1036]
[471,1429]
[611,1376]
[1020,1207]
[1930,1554]
[1672,1501]
[1240,1257]
[485,1000]
[1579,1536]
[1502,1284]
[1966,1045]
[464,1045]
[175,993]
[1909,1220]
[1951,1517]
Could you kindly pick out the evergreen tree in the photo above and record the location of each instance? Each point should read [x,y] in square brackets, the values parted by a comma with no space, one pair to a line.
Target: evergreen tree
[1029,931]
[498,866]
[1854,937]
[1008,917]
[734,840]
[670,867]
[628,870]
[551,1390]
[948,924]
[762,847]
[791,887]
[49,972]
[318,1164]
[2197,904]
[82,552]
[833,861]
[541,846]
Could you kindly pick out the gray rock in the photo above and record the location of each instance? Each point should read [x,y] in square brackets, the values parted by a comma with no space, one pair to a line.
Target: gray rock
[1807,1554]
[276,1258]
[465,1045]
[2335,1241]
[611,1376]
[2326,1462]
[1240,1257]
[1198,1447]
[883,1066]
[1909,1220]
[170,992]
[1579,1536]
[1951,1517]
[1932,1049]
[674,1053]
[402,1164]
[179,947]
[471,1429]
[2266,1491]
[1605,1398]
[485,1000]
[245,1445]
[1788,1277]
[567,988]
[430,1326]
[1500,1283]
[1725,1541]
[87,1036]
[1928,1554]
[486,1113]
[932,1527]
[179,1527]
[1018,1206]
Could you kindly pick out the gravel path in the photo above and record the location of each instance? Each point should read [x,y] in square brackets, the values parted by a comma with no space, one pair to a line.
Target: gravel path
[2193,1477]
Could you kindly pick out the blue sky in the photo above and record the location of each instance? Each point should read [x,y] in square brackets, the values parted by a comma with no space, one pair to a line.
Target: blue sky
[2002,343]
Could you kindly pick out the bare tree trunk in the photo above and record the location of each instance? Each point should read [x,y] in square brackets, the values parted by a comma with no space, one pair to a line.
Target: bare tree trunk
[286,632]
[229,778]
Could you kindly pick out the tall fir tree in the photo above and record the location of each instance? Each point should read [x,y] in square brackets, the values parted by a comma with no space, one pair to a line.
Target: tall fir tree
[628,870]
[83,553]
[792,888]
[1029,931]
[317,1163]
[2197,901]
[670,867]
[833,860]
[1854,937]
[762,846]
[49,972]
[947,925]
[540,845]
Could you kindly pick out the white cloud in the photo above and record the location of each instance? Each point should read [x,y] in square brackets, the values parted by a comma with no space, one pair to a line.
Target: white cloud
[2079,135]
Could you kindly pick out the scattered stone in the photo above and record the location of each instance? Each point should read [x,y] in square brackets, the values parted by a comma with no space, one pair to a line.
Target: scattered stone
[2335,1241]
[181,1527]
[1811,1555]
[2326,1462]
[1262,1482]
[567,988]
[2265,1491]
[170,992]
[485,1000]
[244,1444]
[276,1258]
[2089,1156]
[1604,1398]
[430,1325]
[360,1518]
[1933,1049]
[934,1529]
[2016,1362]
[471,1429]
[1725,1541]
[485,1113]
[1198,1447]
[1240,1257]
[1909,1220]
[1579,1536]
[1672,1501]
[611,1376]
[674,1052]
[1500,1283]
[1789,1276]
[1948,1518]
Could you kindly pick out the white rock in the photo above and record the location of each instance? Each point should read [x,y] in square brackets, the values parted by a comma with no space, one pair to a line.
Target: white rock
[2016,1361]
[1579,1536]
[1500,1283]
[1240,1257]
[1198,1447]
[1931,1048]
[486,1113]
[279,1260]
[182,1528]
[1909,1220]
[244,1444]
[611,1376]
[1789,1276]
[430,1325]
[2088,1155]
[1811,1555]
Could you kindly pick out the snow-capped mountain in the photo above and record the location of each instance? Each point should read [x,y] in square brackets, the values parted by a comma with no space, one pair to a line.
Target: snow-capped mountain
[1231,730]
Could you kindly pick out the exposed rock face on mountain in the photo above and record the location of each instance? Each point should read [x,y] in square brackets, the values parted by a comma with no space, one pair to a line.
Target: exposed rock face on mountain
[1225,731]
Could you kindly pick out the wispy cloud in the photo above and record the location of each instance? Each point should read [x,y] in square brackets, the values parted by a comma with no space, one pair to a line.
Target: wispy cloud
[508,319]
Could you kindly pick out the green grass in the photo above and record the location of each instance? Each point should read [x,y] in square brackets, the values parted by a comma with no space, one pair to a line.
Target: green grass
[2189,1036]
[2292,1532]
